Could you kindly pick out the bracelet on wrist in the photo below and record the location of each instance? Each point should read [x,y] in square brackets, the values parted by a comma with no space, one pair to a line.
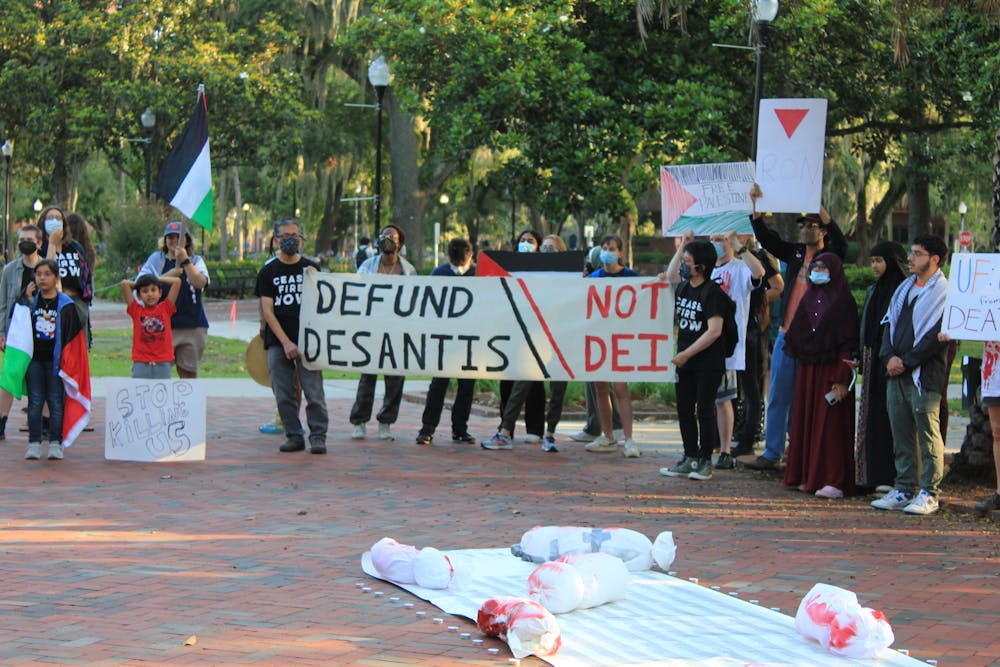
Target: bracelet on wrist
[185,262]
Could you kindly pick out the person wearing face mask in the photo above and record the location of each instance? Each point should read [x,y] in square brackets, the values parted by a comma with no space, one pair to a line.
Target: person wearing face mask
[190,323]
[459,264]
[16,276]
[75,264]
[823,339]
[388,261]
[817,233]
[279,284]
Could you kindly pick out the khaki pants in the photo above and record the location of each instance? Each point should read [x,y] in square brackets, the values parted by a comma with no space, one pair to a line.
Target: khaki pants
[916,436]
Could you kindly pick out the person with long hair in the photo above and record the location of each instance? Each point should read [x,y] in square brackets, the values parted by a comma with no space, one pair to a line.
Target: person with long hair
[76,268]
[822,339]
[874,459]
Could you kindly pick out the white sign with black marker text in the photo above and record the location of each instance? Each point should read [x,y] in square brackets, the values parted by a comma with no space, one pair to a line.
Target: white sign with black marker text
[155,420]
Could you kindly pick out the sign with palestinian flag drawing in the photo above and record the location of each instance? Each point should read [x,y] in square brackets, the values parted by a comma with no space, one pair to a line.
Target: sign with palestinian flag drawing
[511,328]
[790,138]
[185,177]
[708,198]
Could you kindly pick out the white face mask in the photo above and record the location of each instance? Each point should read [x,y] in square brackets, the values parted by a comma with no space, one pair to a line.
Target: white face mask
[52,224]
[526,246]
[459,270]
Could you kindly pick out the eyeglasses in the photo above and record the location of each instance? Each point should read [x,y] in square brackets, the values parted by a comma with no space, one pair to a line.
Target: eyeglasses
[282,237]
[810,225]
[918,254]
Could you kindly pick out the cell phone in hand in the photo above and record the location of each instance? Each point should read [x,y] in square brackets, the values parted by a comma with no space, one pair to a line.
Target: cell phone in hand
[831,397]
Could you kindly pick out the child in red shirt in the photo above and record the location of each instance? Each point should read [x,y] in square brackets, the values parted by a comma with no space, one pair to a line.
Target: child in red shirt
[152,342]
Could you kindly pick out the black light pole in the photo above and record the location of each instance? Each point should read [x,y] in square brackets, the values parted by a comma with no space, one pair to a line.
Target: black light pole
[8,152]
[764,13]
[148,119]
[378,76]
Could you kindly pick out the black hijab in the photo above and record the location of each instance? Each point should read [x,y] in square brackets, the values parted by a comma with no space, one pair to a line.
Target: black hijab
[825,326]
[895,272]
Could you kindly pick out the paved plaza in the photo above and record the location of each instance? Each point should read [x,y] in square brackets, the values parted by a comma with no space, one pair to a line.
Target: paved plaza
[253,557]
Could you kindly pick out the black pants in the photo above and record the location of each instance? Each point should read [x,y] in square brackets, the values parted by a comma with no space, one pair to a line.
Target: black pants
[752,386]
[460,409]
[696,392]
[534,406]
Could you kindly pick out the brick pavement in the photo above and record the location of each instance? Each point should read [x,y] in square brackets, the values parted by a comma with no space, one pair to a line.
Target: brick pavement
[256,554]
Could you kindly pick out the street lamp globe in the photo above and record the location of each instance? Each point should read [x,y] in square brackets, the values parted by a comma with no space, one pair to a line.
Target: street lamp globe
[8,149]
[962,208]
[148,119]
[765,11]
[37,206]
[444,199]
[378,73]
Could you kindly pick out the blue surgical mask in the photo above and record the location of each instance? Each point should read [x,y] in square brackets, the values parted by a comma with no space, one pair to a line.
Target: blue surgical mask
[52,224]
[609,257]
[720,249]
[526,246]
[685,270]
[819,277]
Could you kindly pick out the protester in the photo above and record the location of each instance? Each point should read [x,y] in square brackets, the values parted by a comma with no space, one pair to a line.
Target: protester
[612,267]
[364,252]
[16,276]
[279,284]
[391,241]
[991,403]
[737,279]
[700,306]
[79,231]
[273,427]
[817,233]
[152,342]
[749,428]
[874,458]
[459,264]
[822,339]
[522,389]
[915,364]
[189,324]
[52,324]
[75,270]
[534,402]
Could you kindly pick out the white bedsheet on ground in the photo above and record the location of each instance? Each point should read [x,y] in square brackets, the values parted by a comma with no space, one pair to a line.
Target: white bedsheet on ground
[663,621]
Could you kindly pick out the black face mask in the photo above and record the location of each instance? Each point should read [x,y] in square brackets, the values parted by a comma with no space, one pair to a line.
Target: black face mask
[387,246]
[27,247]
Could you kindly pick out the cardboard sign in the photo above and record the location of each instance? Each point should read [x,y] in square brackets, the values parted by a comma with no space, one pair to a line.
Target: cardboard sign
[512,328]
[972,309]
[708,198]
[154,420]
[790,138]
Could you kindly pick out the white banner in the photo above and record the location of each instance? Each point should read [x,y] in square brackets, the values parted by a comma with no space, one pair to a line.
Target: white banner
[708,198]
[790,139]
[155,421]
[972,309]
[573,328]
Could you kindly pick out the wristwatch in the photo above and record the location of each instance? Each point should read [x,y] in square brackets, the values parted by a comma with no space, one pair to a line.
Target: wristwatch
[185,262]
[741,251]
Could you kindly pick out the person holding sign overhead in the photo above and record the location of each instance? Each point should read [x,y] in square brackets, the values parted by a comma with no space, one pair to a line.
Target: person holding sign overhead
[279,284]
[387,262]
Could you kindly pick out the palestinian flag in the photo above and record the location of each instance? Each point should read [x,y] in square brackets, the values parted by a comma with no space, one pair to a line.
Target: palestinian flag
[20,347]
[74,370]
[185,177]
[505,263]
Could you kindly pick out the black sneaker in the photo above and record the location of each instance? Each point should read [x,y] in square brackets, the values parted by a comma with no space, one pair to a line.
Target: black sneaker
[762,463]
[466,438]
[292,446]
[991,504]
[317,447]
[425,439]
[741,450]
[725,462]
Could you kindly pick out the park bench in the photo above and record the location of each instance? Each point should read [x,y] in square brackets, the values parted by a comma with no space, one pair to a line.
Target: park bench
[232,281]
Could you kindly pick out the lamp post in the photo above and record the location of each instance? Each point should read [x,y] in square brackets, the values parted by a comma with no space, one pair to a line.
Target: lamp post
[8,152]
[148,119]
[764,13]
[378,76]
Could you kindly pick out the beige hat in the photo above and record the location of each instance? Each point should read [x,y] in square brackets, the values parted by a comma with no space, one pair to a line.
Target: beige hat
[256,360]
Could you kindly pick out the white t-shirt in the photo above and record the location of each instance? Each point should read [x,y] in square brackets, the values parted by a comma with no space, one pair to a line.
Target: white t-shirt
[736,280]
[991,374]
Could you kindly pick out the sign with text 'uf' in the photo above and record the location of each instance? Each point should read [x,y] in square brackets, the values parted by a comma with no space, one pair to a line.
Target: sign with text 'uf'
[510,328]
[972,308]
[155,420]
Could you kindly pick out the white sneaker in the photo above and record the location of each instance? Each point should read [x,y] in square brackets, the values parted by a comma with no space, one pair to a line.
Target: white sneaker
[531,439]
[383,432]
[630,451]
[602,445]
[34,451]
[894,500]
[55,451]
[359,432]
[619,434]
[582,436]
[924,503]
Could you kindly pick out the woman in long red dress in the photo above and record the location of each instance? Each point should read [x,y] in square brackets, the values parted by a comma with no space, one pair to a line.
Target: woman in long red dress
[822,337]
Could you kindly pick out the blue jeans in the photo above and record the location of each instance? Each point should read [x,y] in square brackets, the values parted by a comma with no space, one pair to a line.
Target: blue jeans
[779,401]
[44,386]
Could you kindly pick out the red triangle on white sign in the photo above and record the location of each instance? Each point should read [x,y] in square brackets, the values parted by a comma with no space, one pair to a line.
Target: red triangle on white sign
[790,119]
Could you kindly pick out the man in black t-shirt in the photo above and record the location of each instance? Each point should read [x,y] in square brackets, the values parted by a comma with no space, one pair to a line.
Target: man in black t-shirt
[279,284]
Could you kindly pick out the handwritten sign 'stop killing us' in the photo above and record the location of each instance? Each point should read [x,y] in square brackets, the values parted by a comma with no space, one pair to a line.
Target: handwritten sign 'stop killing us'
[972,309]
[501,328]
